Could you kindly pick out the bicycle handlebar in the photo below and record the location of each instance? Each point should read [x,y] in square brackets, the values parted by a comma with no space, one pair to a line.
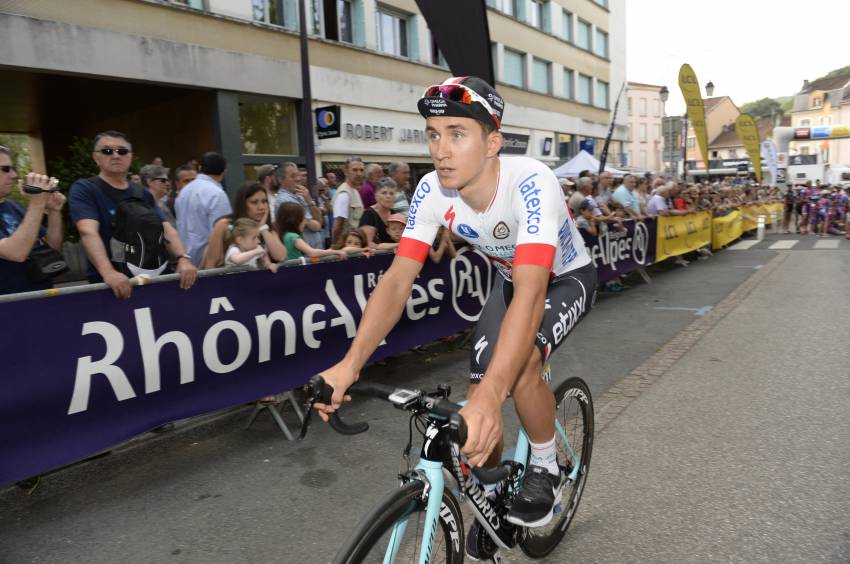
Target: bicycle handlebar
[319,391]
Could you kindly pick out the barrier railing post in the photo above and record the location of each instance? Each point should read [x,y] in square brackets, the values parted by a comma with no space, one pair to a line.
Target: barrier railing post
[760,228]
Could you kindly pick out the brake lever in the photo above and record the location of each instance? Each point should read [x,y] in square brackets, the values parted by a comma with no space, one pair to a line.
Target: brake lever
[316,390]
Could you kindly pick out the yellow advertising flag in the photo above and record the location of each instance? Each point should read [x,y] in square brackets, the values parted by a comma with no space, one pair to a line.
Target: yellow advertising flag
[689,86]
[748,133]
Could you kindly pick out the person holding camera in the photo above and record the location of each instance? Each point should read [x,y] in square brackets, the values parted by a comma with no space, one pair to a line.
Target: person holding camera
[21,229]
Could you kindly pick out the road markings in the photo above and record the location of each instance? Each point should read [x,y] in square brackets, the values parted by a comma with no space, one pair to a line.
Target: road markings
[784,244]
[698,311]
[826,244]
[743,245]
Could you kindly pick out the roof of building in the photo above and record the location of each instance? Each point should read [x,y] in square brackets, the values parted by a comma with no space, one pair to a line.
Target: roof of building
[831,83]
[644,85]
[711,103]
[728,137]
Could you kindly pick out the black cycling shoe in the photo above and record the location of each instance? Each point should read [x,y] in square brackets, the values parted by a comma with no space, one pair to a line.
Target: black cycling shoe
[472,551]
[538,494]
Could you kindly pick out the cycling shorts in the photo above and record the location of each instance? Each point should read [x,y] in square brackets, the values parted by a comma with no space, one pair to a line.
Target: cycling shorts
[569,298]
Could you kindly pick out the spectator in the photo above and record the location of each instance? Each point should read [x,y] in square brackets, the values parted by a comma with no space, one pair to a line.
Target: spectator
[625,196]
[135,178]
[201,203]
[566,186]
[642,193]
[442,245]
[657,204]
[332,184]
[184,175]
[267,176]
[323,201]
[290,225]
[585,220]
[293,192]
[245,248]
[606,180]
[157,161]
[400,173]
[375,219]
[374,172]
[251,202]
[93,204]
[356,239]
[21,229]
[155,179]
[395,229]
[347,204]
[585,189]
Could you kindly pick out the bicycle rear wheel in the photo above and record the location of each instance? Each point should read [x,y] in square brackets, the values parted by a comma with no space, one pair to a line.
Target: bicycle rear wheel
[374,536]
[574,442]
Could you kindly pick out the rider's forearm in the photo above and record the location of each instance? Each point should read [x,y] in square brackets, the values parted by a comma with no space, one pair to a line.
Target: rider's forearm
[383,310]
[516,339]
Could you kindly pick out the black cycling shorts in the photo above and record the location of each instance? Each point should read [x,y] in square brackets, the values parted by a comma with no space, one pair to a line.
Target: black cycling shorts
[568,299]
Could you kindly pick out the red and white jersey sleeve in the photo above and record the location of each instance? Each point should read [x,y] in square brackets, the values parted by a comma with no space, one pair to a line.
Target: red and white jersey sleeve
[527,222]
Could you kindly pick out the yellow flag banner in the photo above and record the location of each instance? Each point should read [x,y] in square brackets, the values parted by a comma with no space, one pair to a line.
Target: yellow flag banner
[680,234]
[726,229]
[689,86]
[748,133]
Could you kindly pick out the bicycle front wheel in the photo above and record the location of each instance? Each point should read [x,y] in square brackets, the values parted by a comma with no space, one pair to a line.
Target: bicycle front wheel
[396,525]
[574,442]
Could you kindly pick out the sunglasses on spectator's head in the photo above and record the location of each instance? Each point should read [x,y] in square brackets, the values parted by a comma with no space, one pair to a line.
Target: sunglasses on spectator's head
[7,168]
[109,150]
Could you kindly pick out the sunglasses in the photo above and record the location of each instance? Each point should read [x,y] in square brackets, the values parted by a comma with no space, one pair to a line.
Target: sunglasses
[109,150]
[7,168]
[160,179]
[463,95]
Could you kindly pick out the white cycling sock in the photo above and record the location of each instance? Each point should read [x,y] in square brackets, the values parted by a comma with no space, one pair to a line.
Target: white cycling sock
[543,454]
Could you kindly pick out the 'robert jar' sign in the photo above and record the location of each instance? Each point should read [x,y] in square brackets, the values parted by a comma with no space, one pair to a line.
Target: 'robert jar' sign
[364,132]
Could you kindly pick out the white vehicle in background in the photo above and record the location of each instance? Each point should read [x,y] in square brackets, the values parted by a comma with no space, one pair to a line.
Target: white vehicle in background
[802,168]
[838,175]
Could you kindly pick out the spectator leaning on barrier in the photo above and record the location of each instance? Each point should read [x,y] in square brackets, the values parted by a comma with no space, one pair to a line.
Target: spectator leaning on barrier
[21,228]
[657,204]
[99,204]
[375,218]
[251,202]
[585,220]
[293,192]
[201,203]
[625,196]
[347,204]
[400,173]
[604,192]
[290,225]
[155,179]
[584,188]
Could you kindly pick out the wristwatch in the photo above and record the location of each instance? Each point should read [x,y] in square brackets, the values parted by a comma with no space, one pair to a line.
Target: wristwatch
[264,227]
[185,256]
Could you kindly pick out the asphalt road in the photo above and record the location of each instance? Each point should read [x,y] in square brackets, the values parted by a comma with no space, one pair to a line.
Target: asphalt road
[738,459]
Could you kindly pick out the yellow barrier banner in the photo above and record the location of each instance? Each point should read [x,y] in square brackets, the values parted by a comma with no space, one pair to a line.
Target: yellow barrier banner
[749,217]
[726,229]
[689,85]
[748,133]
[680,234]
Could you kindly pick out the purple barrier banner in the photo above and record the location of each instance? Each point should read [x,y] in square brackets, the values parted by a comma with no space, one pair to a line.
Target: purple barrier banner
[620,252]
[83,372]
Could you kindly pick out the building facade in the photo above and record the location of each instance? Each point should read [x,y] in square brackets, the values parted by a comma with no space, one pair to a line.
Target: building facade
[823,102]
[645,111]
[185,76]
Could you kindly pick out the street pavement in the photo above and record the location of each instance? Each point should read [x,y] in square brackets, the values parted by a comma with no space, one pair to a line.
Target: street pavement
[738,452]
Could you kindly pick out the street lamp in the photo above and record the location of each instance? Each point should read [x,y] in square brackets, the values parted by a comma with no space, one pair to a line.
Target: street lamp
[709,89]
[664,94]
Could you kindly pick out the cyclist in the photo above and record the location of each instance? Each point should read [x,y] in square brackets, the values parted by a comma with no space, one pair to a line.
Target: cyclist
[512,210]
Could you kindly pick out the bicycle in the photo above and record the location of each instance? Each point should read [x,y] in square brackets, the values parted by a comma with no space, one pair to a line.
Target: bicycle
[404,526]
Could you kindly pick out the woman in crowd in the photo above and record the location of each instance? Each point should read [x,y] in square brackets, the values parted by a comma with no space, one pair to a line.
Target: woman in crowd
[289,227]
[250,202]
[375,219]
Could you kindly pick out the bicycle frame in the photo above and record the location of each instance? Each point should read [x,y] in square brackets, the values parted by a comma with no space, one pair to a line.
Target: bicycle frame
[439,455]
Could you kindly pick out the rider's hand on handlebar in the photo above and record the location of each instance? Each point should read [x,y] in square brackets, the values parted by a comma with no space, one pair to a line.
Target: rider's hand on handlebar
[339,377]
[483,415]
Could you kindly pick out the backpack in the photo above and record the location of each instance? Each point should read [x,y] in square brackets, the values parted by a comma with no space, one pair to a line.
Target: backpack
[138,240]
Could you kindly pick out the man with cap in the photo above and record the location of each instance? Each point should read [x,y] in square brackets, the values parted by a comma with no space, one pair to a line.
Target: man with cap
[512,210]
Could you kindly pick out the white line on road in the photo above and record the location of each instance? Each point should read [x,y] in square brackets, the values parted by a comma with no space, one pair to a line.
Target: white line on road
[784,244]
[826,244]
[698,311]
[743,245]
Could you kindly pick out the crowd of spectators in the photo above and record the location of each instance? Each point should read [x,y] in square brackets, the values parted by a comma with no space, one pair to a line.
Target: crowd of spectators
[817,209]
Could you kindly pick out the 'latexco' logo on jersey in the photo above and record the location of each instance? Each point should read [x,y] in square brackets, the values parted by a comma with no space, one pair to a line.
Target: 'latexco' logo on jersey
[528,189]
[501,231]
[466,231]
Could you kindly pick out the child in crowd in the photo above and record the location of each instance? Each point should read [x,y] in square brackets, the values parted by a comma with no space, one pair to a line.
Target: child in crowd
[244,245]
[395,228]
[356,239]
[442,245]
[290,224]
[585,221]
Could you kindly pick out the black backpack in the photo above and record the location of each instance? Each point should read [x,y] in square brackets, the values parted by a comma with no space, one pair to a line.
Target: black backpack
[138,241]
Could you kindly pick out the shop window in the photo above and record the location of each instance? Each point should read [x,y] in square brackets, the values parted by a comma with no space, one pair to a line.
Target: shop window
[391,31]
[267,126]
[514,68]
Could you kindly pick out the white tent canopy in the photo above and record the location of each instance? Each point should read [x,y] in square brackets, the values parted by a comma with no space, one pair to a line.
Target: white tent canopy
[583,161]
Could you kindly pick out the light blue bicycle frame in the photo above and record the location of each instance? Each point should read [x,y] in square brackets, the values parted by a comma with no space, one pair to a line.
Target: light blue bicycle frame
[433,472]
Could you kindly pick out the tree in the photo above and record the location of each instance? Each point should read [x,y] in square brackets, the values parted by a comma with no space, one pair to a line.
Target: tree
[764,108]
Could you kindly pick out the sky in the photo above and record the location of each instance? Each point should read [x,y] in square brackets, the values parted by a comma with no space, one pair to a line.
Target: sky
[789,41]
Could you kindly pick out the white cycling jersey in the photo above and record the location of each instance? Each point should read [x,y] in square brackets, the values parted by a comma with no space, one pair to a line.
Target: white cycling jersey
[527,222]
